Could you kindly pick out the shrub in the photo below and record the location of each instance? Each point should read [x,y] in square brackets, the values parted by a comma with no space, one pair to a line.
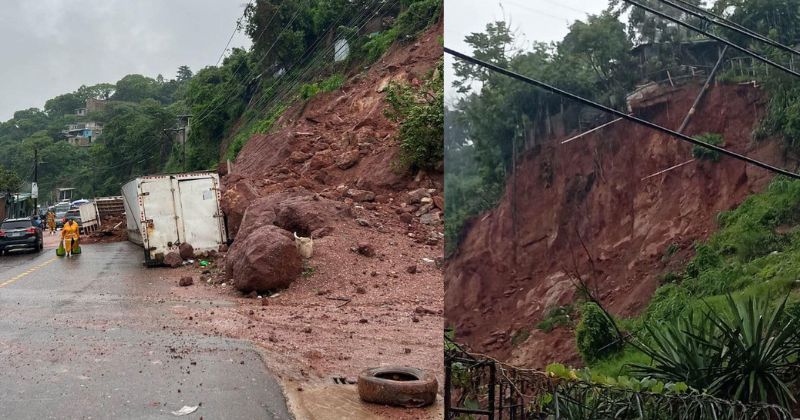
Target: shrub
[744,351]
[330,84]
[700,152]
[419,15]
[556,316]
[595,334]
[420,113]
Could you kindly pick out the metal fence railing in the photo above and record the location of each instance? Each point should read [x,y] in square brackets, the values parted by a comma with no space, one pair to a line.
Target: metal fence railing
[478,387]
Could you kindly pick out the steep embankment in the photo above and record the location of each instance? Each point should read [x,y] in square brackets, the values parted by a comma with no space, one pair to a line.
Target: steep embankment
[372,293]
[588,199]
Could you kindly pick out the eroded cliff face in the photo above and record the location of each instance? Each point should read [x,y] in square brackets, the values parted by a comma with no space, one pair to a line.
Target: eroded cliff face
[590,199]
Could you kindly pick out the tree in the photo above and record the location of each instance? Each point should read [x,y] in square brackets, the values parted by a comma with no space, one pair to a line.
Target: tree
[493,46]
[10,183]
[135,88]
[184,74]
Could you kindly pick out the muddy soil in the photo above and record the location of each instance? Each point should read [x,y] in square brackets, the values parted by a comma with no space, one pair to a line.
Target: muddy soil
[588,208]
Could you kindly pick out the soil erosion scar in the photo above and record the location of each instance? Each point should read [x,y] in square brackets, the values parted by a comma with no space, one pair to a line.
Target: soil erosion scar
[25,273]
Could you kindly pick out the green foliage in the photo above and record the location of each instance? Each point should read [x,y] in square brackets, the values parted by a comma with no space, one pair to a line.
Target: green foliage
[262,126]
[557,316]
[520,337]
[593,61]
[420,113]
[309,90]
[377,44]
[700,152]
[9,182]
[595,335]
[742,353]
[419,15]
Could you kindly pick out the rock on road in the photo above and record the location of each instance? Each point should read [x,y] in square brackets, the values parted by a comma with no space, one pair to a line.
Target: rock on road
[94,337]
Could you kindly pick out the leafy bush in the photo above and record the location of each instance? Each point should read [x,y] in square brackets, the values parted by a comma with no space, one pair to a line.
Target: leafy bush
[743,352]
[700,152]
[309,90]
[420,113]
[595,334]
[556,316]
[418,16]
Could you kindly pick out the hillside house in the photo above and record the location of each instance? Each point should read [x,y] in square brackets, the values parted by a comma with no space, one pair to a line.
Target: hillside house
[83,134]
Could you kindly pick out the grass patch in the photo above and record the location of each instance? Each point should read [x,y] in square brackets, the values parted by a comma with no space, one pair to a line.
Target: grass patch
[261,126]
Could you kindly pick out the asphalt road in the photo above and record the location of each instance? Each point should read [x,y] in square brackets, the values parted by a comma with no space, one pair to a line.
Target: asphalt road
[93,337]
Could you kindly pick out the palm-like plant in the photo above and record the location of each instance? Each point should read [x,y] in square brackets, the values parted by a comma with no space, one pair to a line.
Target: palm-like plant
[743,353]
[758,346]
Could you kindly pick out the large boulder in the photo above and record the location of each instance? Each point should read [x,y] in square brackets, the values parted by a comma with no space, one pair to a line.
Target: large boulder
[266,259]
[305,214]
[261,212]
[235,201]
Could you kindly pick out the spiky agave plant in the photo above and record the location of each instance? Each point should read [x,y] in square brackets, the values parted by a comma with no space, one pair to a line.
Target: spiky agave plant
[743,353]
[759,348]
[680,351]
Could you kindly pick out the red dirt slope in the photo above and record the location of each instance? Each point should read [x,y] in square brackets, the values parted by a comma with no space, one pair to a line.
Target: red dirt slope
[597,195]
[372,293]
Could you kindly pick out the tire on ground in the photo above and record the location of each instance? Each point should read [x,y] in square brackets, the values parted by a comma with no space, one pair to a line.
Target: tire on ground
[398,386]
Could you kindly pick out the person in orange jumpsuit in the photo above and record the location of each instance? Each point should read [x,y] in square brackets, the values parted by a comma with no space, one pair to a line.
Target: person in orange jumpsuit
[51,222]
[70,234]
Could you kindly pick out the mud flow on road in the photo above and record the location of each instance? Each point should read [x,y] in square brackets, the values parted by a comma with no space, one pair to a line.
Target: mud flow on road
[94,336]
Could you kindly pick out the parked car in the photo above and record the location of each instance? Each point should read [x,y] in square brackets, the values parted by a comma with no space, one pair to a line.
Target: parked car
[19,234]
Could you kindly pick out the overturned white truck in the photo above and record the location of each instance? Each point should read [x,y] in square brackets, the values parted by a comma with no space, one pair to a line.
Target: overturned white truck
[164,211]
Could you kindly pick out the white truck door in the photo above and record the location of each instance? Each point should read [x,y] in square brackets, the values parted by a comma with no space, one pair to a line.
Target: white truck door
[160,223]
[200,213]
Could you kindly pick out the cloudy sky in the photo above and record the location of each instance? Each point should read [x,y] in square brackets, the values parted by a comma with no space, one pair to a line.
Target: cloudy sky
[50,47]
[533,20]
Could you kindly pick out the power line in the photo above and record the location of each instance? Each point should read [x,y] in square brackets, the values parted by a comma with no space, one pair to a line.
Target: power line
[712,36]
[703,14]
[294,81]
[620,114]
[250,71]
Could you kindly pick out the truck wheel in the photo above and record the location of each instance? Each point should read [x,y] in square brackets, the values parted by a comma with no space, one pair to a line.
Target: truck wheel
[398,386]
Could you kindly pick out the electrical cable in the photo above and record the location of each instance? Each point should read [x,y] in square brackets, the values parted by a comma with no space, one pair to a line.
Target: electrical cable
[726,25]
[240,85]
[712,36]
[617,113]
[288,85]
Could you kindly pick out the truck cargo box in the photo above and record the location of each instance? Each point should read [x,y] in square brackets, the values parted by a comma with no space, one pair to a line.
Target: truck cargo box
[164,211]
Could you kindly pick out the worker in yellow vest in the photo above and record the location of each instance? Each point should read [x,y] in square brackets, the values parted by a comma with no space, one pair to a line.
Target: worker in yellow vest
[70,234]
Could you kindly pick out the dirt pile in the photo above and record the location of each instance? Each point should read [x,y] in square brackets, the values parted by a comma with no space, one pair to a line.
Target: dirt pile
[588,207]
[329,172]
[112,229]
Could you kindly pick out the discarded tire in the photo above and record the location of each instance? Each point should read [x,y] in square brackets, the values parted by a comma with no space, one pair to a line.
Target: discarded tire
[397,386]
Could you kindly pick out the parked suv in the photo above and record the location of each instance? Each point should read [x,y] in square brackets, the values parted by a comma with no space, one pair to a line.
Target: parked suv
[20,233]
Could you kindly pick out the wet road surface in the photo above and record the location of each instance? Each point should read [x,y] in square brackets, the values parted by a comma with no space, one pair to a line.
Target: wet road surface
[93,337]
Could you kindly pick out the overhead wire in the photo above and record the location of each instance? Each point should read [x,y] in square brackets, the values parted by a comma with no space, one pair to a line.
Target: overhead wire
[703,14]
[250,70]
[289,85]
[712,36]
[144,155]
[637,120]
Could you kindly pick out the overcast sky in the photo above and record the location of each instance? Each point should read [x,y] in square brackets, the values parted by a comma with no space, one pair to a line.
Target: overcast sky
[50,47]
[533,20]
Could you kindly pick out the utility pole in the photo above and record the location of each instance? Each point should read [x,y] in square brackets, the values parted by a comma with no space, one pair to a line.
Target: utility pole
[35,185]
[182,132]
